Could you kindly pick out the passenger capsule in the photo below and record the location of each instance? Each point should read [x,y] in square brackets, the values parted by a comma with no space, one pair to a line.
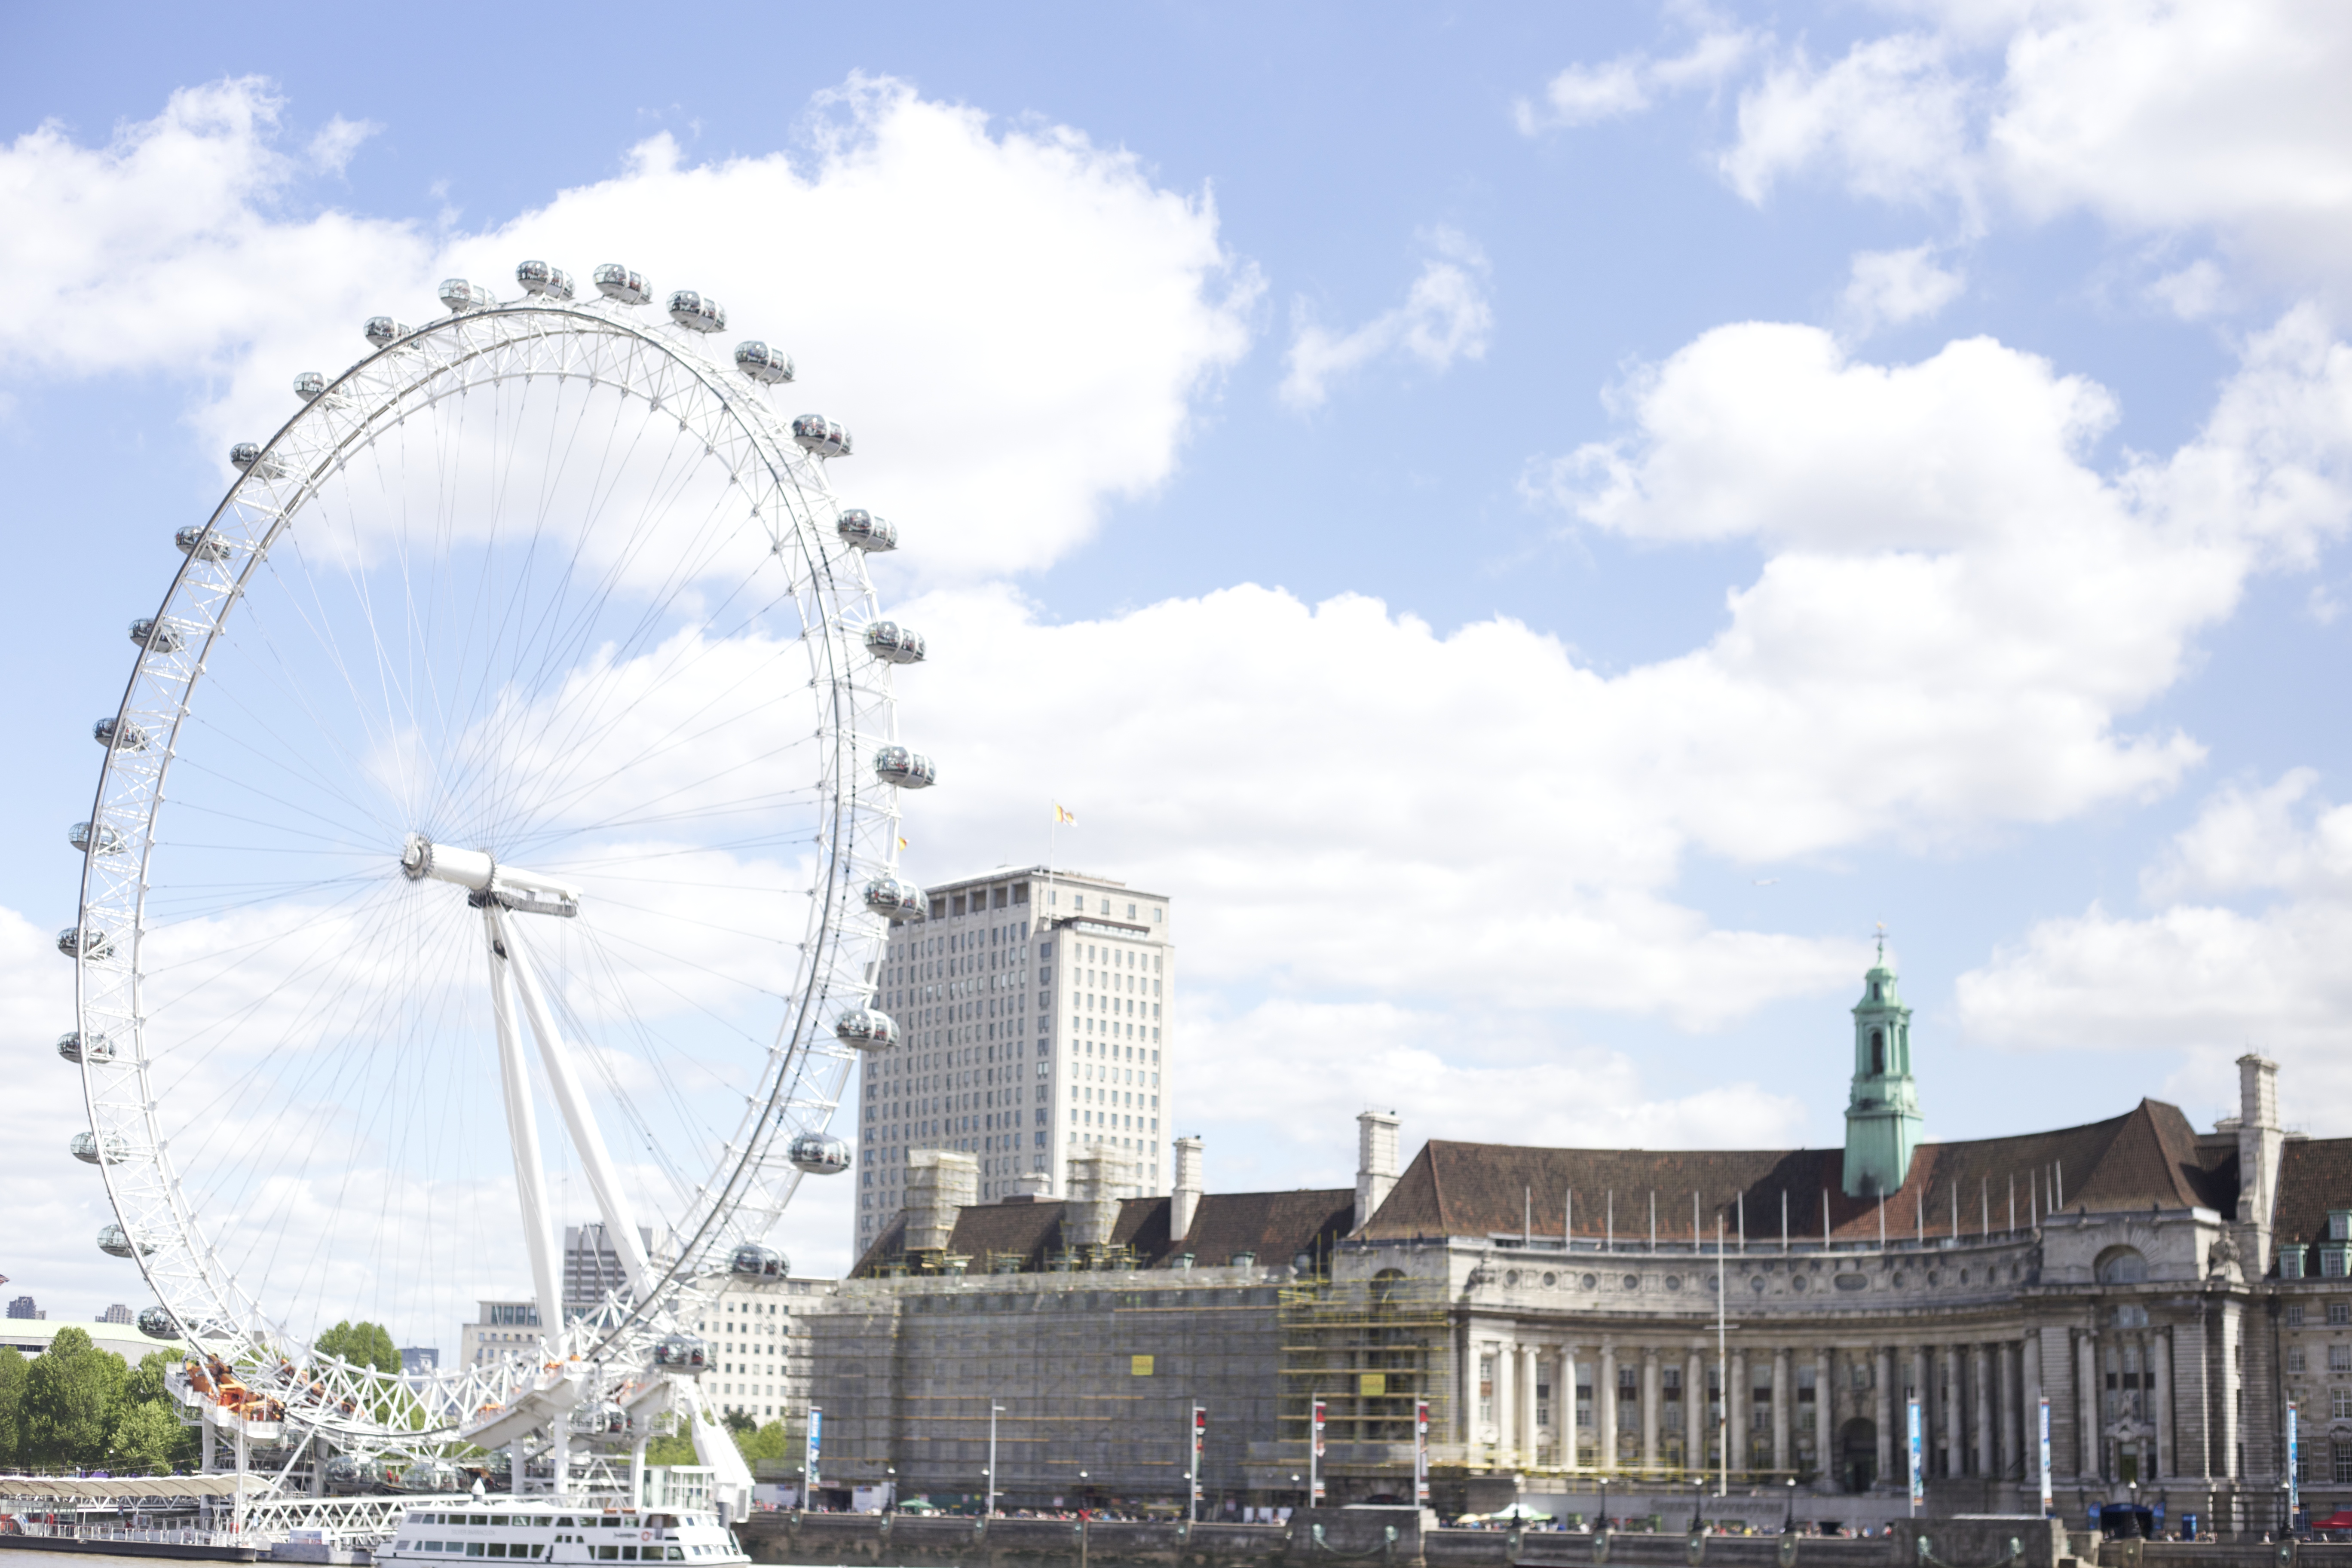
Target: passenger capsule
[759,1262]
[310,386]
[894,644]
[82,834]
[539,277]
[158,1324]
[821,436]
[866,1029]
[69,1045]
[820,1154]
[157,637]
[116,1242]
[201,543]
[460,295]
[84,1146]
[681,1353]
[118,736]
[696,312]
[863,530]
[430,1476]
[893,900]
[249,457]
[353,1470]
[907,770]
[383,331]
[616,282]
[768,366]
[85,941]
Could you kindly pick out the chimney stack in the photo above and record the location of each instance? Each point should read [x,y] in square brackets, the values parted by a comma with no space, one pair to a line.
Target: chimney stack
[1099,1178]
[2260,1142]
[1376,1158]
[940,1183]
[1185,1196]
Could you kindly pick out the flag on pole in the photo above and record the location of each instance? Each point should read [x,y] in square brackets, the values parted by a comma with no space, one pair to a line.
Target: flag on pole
[902,846]
[1061,814]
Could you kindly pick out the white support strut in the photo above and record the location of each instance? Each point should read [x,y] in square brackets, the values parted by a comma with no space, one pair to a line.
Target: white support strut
[522,1133]
[579,1118]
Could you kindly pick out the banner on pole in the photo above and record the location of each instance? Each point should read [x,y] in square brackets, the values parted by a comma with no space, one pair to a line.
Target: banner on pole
[1200,1436]
[2045,1456]
[2293,1464]
[815,1450]
[1315,1458]
[1918,1473]
[1421,1453]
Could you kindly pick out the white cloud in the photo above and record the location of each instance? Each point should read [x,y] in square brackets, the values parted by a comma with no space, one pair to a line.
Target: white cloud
[1890,120]
[1444,317]
[1017,333]
[1890,288]
[1584,94]
[2194,292]
[2200,974]
[2221,115]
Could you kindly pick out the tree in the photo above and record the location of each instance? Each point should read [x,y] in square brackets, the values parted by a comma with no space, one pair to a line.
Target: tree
[144,1389]
[672,1448]
[12,1400]
[739,1424]
[363,1344]
[768,1442]
[146,1437]
[71,1391]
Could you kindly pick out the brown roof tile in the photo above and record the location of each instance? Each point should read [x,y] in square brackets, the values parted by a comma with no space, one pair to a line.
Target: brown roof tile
[2149,1154]
[1276,1226]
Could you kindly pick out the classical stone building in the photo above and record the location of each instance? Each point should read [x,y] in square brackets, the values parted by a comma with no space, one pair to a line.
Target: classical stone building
[1656,1318]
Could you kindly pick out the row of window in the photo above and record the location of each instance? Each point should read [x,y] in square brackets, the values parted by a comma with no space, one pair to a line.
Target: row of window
[2339,1358]
[2340,1314]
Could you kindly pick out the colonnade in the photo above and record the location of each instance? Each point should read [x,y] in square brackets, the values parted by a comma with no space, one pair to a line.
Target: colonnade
[1974,1395]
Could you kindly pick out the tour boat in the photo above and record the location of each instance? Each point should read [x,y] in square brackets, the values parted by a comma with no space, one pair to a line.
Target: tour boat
[431,1533]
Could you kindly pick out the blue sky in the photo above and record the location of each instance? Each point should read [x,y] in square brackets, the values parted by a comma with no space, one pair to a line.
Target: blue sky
[1536,527]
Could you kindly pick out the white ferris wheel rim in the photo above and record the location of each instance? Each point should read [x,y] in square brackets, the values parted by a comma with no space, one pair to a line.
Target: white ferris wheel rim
[743,1194]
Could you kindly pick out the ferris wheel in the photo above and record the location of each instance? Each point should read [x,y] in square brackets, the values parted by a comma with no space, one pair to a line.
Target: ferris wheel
[496,831]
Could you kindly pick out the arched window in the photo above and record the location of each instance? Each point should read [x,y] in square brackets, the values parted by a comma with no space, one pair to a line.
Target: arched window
[2122,1266]
[1874,991]
[1879,1050]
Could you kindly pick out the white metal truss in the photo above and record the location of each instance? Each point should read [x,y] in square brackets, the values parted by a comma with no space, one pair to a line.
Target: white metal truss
[746,1189]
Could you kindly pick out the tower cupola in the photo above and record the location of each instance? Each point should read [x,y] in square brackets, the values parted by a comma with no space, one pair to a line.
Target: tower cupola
[1882,1115]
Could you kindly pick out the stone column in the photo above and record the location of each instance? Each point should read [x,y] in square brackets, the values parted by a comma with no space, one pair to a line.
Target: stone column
[2160,1412]
[1783,1396]
[2028,1407]
[1604,1408]
[1885,1416]
[1956,1454]
[2005,1418]
[1507,1362]
[1650,1392]
[2091,1453]
[1568,1360]
[1825,1459]
[1528,1454]
[1981,1376]
[1738,1405]
[1695,1410]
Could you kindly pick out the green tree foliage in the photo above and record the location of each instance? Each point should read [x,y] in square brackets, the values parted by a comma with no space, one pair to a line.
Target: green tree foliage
[71,1392]
[146,1438]
[738,1423]
[12,1400]
[768,1442]
[672,1448]
[363,1344]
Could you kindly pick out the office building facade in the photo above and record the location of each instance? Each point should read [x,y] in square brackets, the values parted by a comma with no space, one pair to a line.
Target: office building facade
[1037,1014]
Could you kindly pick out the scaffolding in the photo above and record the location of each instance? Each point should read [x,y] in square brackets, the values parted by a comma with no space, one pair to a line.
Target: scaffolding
[1370,1348]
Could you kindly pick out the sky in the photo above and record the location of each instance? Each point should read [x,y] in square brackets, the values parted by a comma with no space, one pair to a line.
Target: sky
[1540,529]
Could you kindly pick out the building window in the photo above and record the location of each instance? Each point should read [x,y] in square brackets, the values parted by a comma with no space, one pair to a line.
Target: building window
[2294,1314]
[2295,1359]
[2339,1358]
[2339,1403]
[2343,1458]
[2339,1313]
[1486,1388]
[2291,1261]
[2331,1262]
[2339,1224]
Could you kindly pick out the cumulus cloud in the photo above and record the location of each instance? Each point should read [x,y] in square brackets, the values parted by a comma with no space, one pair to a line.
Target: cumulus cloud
[2214,115]
[1583,94]
[1446,316]
[1016,333]
[2250,910]
[1890,288]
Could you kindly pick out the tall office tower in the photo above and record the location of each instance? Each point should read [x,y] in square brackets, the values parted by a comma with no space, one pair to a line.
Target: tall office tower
[1035,1010]
[592,1267]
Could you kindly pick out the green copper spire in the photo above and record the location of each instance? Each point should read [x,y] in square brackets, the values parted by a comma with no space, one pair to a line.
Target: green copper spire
[1882,1116]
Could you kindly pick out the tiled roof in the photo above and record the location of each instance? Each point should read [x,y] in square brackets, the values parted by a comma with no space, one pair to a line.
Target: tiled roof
[2149,1154]
[1276,1226]
[2314,1175]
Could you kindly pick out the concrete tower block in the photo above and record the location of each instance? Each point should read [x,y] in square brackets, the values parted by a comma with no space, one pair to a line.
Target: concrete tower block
[1185,1196]
[1376,1162]
[940,1183]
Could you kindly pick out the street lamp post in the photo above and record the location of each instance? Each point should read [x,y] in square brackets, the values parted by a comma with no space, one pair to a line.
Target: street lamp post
[890,1475]
[1788,1519]
[994,1410]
